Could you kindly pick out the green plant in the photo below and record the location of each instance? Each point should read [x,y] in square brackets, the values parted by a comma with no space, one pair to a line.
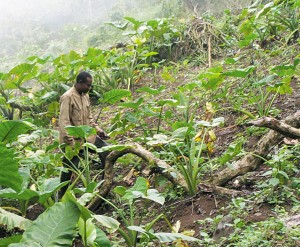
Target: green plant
[134,221]
[59,225]
[17,181]
[281,185]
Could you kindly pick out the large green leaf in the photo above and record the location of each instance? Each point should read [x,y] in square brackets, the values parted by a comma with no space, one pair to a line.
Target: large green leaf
[9,175]
[11,221]
[81,131]
[10,130]
[55,227]
[49,187]
[154,195]
[139,189]
[30,244]
[165,237]
[69,197]
[25,194]
[101,239]
[240,72]
[115,95]
[108,222]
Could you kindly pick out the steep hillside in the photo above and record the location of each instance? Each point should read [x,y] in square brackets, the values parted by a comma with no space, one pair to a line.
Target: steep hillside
[183,102]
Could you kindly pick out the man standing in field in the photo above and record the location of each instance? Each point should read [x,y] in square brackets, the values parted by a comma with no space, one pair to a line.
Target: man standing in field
[75,110]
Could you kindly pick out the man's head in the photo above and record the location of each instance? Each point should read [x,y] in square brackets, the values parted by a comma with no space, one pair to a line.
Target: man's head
[83,82]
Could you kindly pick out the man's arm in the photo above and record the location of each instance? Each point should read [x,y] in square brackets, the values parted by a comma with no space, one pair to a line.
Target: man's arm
[64,120]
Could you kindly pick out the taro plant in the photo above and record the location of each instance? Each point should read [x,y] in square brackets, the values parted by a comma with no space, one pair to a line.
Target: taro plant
[15,177]
[59,225]
[190,166]
[280,183]
[134,228]
[82,172]
[157,35]
[130,64]
[188,154]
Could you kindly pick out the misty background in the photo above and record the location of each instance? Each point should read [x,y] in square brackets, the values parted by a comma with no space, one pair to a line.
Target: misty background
[35,27]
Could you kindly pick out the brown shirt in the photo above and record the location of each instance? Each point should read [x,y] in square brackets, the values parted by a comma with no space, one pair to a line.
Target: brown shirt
[75,110]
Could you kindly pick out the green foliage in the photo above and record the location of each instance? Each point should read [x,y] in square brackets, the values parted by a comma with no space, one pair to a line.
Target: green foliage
[60,228]
[166,118]
[12,221]
[115,95]
[9,174]
[10,130]
[131,196]
[280,184]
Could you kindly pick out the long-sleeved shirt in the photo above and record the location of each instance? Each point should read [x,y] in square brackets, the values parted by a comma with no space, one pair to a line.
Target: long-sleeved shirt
[75,110]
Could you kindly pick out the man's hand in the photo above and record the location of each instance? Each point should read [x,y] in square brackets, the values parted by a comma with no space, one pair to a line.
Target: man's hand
[101,133]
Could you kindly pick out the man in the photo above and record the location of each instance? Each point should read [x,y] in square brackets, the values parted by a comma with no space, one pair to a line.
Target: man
[75,110]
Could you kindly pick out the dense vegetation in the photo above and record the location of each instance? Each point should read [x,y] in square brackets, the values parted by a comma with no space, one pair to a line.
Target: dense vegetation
[170,84]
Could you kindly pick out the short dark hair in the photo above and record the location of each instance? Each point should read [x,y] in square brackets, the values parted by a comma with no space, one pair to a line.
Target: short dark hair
[81,77]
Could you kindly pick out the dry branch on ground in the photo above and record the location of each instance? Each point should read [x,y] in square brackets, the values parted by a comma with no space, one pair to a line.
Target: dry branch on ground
[248,163]
[255,158]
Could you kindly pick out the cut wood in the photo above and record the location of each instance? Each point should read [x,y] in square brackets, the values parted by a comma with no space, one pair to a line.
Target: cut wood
[254,159]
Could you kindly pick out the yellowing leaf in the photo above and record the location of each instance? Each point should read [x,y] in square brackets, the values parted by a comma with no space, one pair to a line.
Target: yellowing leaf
[210,147]
[189,233]
[209,107]
[212,135]
[198,136]
[176,226]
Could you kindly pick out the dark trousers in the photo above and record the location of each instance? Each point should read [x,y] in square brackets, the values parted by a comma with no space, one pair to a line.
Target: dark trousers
[74,163]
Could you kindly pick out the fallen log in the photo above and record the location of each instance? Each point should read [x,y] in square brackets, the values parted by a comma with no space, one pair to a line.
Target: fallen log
[169,172]
[278,126]
[255,158]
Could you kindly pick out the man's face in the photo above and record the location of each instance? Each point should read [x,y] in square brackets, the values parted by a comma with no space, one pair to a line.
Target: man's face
[85,87]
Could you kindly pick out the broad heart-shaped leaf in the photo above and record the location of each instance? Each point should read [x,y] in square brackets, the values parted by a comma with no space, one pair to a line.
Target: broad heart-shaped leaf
[11,221]
[120,190]
[81,131]
[48,188]
[10,130]
[101,239]
[137,190]
[108,222]
[55,227]
[25,194]
[274,181]
[134,105]
[27,244]
[115,95]
[150,90]
[165,237]
[240,72]
[9,175]
[180,133]
[154,195]
[69,197]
